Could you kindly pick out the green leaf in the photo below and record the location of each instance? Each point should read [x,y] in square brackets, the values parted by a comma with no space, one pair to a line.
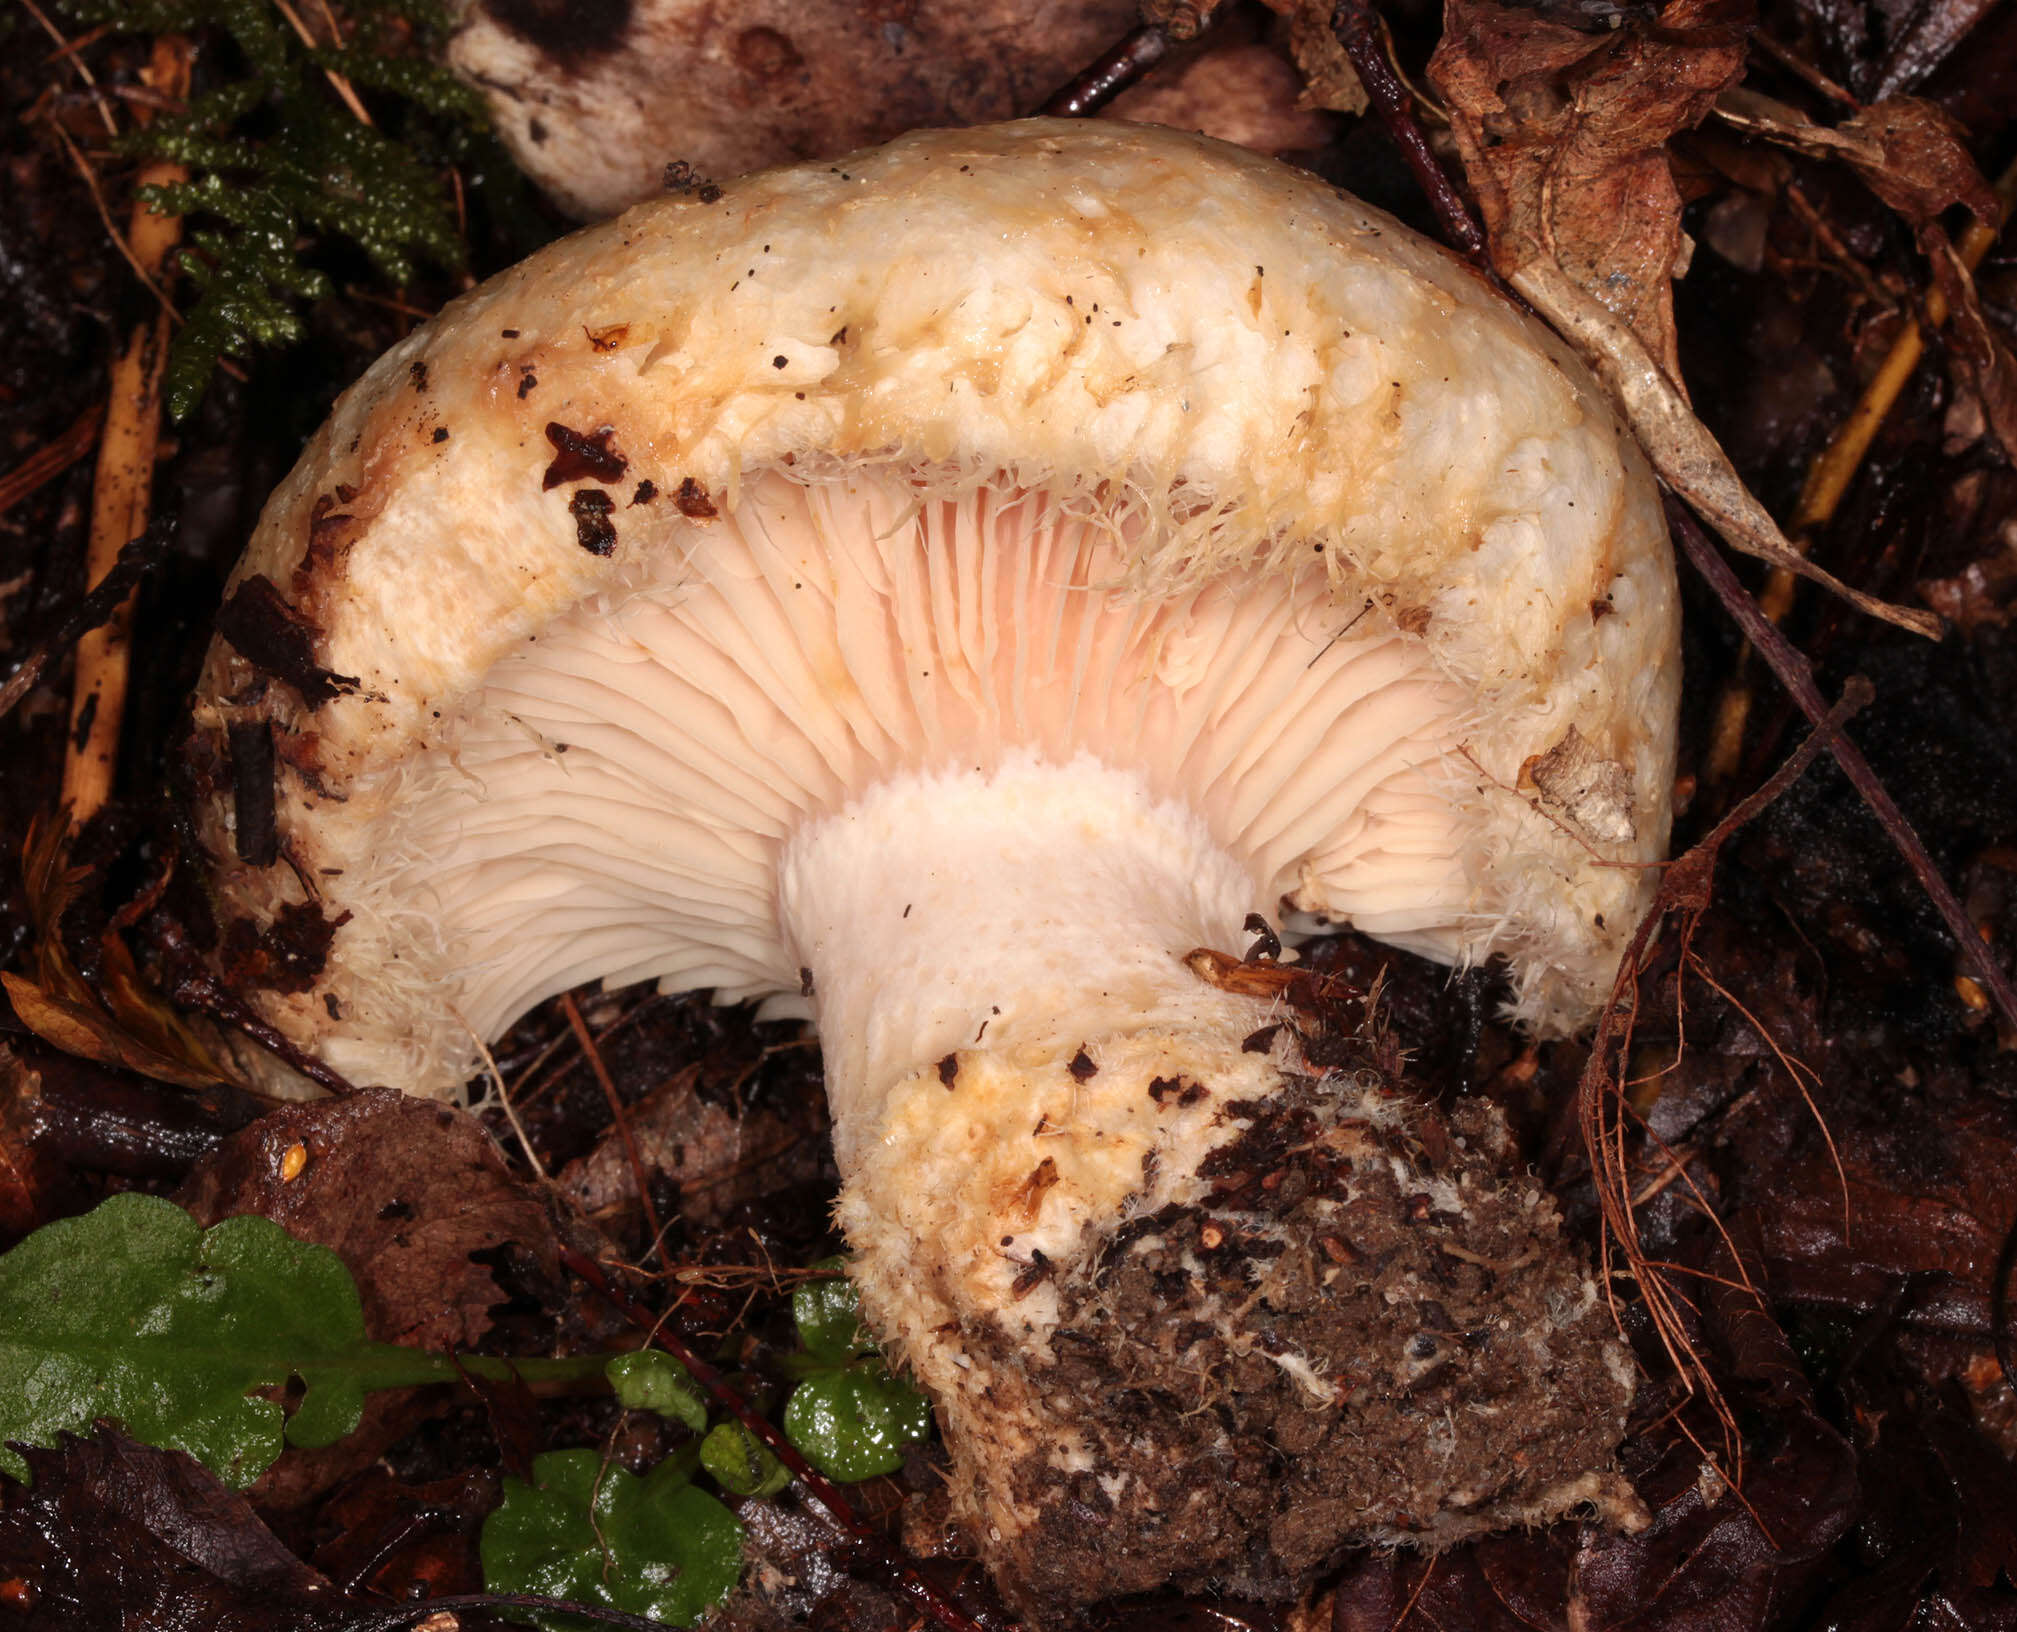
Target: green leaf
[136,1313]
[854,1423]
[649,1380]
[741,1463]
[829,1317]
[653,1546]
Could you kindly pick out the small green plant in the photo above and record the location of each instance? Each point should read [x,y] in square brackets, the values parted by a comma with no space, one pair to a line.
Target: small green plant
[282,172]
[851,1416]
[594,1534]
[186,1337]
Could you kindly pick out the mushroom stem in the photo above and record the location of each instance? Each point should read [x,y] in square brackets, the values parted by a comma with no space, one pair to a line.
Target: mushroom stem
[1022,914]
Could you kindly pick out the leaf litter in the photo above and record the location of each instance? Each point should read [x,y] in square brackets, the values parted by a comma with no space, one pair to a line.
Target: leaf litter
[1859,1475]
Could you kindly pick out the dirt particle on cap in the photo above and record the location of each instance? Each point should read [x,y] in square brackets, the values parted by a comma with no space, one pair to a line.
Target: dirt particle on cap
[527,382]
[647,490]
[593,530]
[1082,1067]
[582,456]
[948,1070]
[693,501]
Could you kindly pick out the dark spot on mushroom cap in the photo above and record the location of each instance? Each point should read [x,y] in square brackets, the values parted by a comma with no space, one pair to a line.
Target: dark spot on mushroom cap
[441,433]
[526,381]
[764,53]
[581,456]
[948,1069]
[418,373]
[693,501]
[593,530]
[536,129]
[274,637]
[287,955]
[647,490]
[572,32]
[1082,1067]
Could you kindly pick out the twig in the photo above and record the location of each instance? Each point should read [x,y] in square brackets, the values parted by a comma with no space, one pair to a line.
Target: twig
[1798,66]
[1829,478]
[1354,24]
[343,88]
[191,985]
[1684,888]
[504,1099]
[1798,678]
[134,561]
[1126,61]
[67,52]
[50,460]
[122,494]
[822,1489]
[111,227]
[622,1117]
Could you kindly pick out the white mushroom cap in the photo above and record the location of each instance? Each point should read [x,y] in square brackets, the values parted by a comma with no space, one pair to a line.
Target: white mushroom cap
[938,590]
[1229,371]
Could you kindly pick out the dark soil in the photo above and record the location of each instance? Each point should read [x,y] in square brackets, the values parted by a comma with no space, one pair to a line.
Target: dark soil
[1450,1364]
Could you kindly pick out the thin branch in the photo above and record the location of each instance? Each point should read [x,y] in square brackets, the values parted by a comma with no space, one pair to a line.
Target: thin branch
[66,51]
[622,1117]
[1354,23]
[50,460]
[112,231]
[1126,62]
[1797,676]
[138,557]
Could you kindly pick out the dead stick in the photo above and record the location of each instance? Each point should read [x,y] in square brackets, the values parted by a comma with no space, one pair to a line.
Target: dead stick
[122,494]
[1797,676]
[1126,61]
[1352,23]
[111,592]
[822,1489]
[622,1119]
[50,460]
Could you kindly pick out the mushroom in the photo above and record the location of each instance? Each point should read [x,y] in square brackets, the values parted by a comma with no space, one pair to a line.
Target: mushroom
[937,593]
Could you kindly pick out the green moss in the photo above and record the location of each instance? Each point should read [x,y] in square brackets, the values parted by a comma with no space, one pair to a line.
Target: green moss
[285,181]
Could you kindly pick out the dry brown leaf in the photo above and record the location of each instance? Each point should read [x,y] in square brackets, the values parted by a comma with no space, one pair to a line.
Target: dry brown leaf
[1564,133]
[1911,154]
[1563,136]
[82,1029]
[1328,79]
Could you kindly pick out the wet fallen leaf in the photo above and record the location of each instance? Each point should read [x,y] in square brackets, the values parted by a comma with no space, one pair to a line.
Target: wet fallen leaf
[114,1536]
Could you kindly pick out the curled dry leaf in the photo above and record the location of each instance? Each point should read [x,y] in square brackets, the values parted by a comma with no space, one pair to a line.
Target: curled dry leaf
[1328,78]
[403,1191]
[1911,154]
[1563,136]
[1915,158]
